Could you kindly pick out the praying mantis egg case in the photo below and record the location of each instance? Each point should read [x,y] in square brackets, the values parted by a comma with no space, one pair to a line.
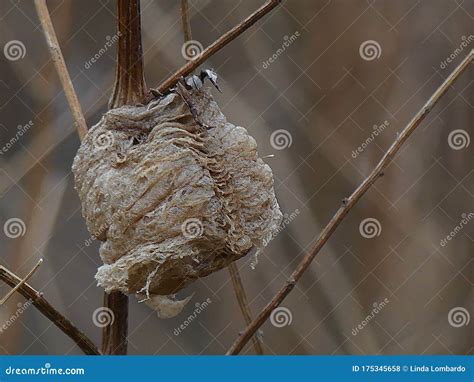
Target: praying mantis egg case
[173,191]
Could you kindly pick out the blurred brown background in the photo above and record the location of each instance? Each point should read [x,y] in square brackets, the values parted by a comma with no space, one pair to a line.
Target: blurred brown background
[327,92]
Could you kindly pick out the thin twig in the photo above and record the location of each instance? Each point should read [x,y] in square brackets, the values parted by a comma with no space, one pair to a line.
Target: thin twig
[186,24]
[348,203]
[22,281]
[61,68]
[66,326]
[218,45]
[243,303]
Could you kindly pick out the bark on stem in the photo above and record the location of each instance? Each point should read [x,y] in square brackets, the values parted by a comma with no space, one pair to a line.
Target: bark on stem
[114,336]
[40,303]
[129,86]
[129,89]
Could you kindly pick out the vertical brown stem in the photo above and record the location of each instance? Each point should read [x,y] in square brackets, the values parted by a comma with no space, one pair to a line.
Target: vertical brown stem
[114,336]
[129,89]
[243,303]
[185,21]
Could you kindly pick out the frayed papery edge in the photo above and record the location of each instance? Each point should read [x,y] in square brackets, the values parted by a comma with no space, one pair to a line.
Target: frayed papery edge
[165,306]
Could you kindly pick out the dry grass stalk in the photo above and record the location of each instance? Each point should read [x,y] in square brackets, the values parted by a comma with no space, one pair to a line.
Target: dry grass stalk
[60,66]
[243,303]
[217,45]
[185,21]
[37,299]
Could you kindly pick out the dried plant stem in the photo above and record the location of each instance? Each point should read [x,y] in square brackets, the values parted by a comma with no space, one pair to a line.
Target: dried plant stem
[23,281]
[348,204]
[129,85]
[114,336]
[129,89]
[61,68]
[243,303]
[185,21]
[218,45]
[66,326]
